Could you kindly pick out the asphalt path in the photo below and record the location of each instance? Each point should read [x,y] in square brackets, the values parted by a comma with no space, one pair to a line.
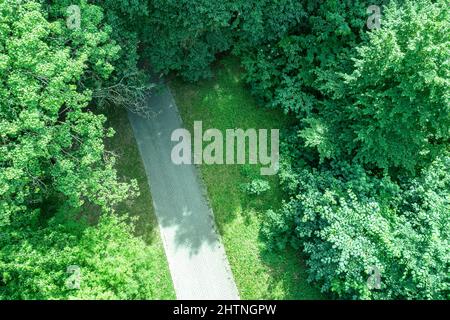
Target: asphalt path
[197,259]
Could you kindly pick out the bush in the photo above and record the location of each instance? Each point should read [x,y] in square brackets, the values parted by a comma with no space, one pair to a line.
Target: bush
[349,223]
[113,263]
[256,187]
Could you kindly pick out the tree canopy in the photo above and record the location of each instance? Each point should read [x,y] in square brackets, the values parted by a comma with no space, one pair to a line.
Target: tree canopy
[54,163]
[365,160]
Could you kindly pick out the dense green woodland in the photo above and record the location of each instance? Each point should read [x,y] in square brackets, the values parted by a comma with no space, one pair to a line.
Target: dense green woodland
[365,164]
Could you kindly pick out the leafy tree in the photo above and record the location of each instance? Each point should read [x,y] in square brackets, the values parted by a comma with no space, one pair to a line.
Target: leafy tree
[35,261]
[50,142]
[359,94]
[350,224]
[363,101]
[53,159]
[125,85]
[185,36]
[126,18]
[256,187]
[287,72]
[380,100]
[260,24]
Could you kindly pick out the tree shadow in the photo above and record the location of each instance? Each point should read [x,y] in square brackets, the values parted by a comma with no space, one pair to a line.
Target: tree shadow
[177,195]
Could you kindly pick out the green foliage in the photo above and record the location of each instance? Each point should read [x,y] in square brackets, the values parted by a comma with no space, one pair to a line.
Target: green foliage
[125,85]
[185,36]
[113,263]
[258,24]
[256,187]
[394,107]
[378,99]
[53,159]
[365,163]
[50,142]
[357,94]
[348,223]
[287,73]
[121,18]
[126,18]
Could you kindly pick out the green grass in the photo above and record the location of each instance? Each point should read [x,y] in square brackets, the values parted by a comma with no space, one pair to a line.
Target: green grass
[130,166]
[225,103]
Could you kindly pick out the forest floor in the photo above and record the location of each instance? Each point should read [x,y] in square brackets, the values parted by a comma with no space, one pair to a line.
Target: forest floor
[225,103]
[130,166]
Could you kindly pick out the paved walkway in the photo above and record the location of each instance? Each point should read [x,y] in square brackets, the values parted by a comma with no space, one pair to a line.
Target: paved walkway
[197,260]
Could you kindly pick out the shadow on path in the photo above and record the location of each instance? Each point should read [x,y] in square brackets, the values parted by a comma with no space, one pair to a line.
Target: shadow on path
[197,260]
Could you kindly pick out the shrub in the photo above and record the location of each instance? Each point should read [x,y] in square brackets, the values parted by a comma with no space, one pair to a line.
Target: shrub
[113,263]
[349,223]
[256,187]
